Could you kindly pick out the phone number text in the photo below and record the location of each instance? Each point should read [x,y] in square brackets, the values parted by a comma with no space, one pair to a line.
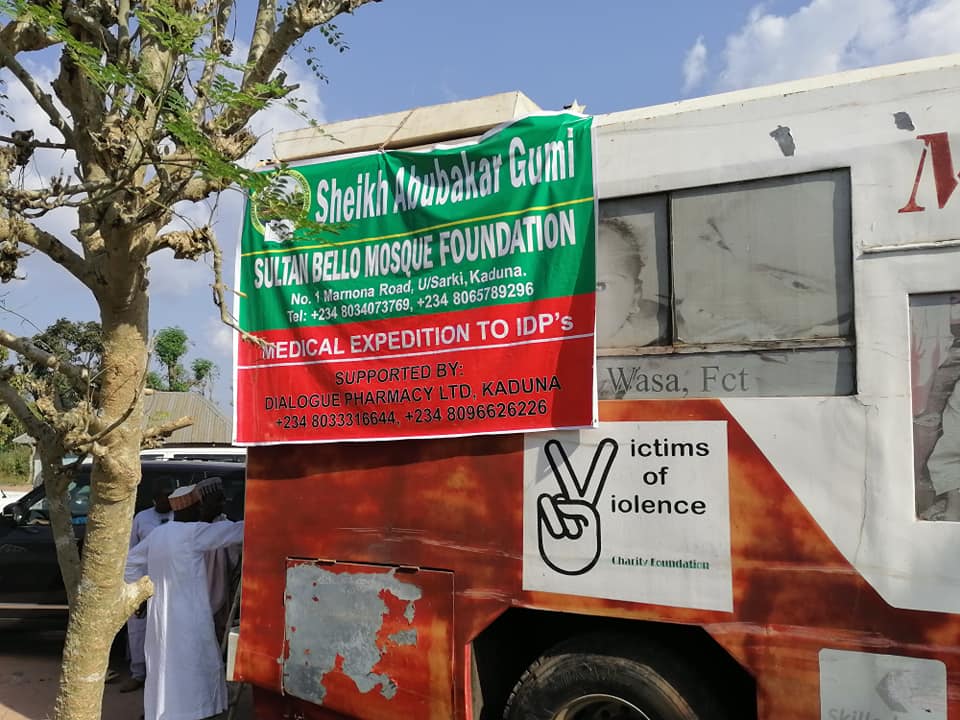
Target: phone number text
[479,411]
[338,419]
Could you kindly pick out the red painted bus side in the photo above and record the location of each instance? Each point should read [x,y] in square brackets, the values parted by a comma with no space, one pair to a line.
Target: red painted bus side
[455,505]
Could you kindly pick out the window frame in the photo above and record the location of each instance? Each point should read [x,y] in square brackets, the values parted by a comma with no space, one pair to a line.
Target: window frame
[672,346]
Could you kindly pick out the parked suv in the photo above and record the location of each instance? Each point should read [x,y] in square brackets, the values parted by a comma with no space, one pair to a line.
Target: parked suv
[30,582]
[217,453]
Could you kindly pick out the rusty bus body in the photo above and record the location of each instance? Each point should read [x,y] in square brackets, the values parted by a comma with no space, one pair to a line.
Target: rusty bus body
[802,245]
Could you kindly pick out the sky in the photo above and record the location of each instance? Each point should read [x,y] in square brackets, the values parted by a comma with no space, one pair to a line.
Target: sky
[616,55]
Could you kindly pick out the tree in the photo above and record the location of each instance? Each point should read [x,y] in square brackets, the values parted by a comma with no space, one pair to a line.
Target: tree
[77,343]
[169,347]
[151,110]
[204,373]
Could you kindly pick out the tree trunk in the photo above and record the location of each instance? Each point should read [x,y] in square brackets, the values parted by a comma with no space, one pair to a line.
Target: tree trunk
[57,483]
[103,600]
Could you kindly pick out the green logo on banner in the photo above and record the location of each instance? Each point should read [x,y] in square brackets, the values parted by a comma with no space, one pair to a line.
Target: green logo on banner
[289,189]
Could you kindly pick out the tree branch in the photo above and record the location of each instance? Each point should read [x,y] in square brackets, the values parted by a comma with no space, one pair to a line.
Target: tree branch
[217,46]
[18,36]
[133,596]
[74,15]
[19,230]
[50,198]
[220,290]
[161,432]
[157,64]
[186,244]
[263,28]
[34,426]
[35,143]
[199,189]
[79,375]
[123,31]
[44,100]
[57,476]
[57,481]
[301,17]
[182,183]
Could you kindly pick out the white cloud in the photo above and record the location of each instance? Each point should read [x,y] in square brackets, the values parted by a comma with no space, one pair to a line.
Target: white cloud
[220,338]
[695,65]
[825,36]
[45,163]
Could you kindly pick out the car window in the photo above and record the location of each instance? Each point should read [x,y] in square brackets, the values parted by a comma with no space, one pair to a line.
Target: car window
[174,475]
[763,260]
[167,480]
[213,457]
[171,476]
[233,485]
[78,502]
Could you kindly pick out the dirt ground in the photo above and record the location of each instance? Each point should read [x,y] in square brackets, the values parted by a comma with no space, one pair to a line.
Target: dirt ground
[30,666]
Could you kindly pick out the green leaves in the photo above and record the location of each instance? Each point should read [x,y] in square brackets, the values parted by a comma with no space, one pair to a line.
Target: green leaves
[79,343]
[170,346]
[334,38]
[170,28]
[165,75]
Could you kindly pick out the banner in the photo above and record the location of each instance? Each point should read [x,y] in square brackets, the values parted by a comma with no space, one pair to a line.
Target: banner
[438,293]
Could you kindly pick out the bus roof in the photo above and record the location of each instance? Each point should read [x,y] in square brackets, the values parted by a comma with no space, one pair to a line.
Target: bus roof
[431,124]
[408,128]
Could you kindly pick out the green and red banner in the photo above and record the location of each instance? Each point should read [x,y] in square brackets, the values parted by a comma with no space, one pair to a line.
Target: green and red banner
[439,293]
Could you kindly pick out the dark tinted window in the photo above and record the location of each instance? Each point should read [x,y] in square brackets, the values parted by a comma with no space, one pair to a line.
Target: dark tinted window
[166,475]
[38,511]
[233,484]
[165,480]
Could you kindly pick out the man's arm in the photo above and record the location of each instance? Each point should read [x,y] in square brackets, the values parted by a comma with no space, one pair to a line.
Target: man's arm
[212,536]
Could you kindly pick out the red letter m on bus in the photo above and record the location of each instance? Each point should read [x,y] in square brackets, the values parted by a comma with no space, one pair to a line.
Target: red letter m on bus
[944,176]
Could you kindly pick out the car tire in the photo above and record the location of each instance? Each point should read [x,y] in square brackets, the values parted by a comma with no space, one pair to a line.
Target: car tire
[604,676]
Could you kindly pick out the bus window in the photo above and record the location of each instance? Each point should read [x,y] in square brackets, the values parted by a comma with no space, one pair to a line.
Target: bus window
[763,260]
[935,397]
[633,276]
[743,289]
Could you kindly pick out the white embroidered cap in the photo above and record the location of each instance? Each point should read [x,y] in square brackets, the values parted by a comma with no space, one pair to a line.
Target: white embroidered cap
[184,497]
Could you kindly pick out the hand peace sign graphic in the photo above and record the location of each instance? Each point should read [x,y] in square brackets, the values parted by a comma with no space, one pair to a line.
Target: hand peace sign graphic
[568,524]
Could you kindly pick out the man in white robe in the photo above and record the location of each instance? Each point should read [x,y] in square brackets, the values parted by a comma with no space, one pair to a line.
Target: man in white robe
[144,522]
[185,673]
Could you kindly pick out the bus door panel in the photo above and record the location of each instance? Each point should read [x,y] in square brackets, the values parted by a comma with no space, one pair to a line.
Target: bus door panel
[369,641]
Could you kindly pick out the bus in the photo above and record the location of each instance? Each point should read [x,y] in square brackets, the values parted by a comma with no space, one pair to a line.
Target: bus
[777,357]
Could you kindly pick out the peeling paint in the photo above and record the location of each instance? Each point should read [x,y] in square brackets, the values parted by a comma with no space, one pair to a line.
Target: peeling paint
[903,121]
[404,637]
[340,616]
[785,140]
